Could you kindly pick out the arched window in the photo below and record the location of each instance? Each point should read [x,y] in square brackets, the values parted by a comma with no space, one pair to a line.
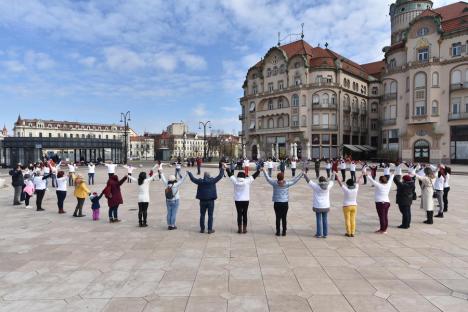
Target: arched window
[393,87]
[295,100]
[280,103]
[333,99]
[271,123]
[254,88]
[281,70]
[374,108]
[435,108]
[325,99]
[275,71]
[423,31]
[280,122]
[420,94]
[456,77]
[346,99]
[435,79]
[270,104]
[315,99]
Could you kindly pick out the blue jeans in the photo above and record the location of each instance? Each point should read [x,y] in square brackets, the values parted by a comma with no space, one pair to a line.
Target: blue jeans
[113,213]
[322,223]
[178,174]
[90,178]
[204,206]
[172,207]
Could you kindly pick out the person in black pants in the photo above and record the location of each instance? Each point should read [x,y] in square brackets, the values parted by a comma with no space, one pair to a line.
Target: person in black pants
[448,172]
[143,213]
[242,196]
[17,181]
[404,198]
[317,167]
[206,194]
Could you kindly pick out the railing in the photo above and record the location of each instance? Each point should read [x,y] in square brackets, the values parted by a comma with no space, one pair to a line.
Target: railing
[388,122]
[459,86]
[325,127]
[241,117]
[273,109]
[458,116]
[324,105]
[272,129]
[324,84]
[389,96]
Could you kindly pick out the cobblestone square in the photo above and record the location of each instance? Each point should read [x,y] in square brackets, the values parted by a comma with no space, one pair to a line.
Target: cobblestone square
[52,262]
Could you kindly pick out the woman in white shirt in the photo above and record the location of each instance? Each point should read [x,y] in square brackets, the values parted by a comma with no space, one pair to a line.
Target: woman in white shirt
[242,197]
[40,187]
[448,172]
[343,169]
[61,191]
[350,191]
[328,167]
[171,191]
[382,201]
[143,196]
[110,168]
[293,167]
[130,169]
[91,173]
[71,174]
[321,203]
[270,167]
[439,191]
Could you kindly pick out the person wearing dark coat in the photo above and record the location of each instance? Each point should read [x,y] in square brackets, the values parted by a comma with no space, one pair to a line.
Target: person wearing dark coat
[206,194]
[114,196]
[17,181]
[404,198]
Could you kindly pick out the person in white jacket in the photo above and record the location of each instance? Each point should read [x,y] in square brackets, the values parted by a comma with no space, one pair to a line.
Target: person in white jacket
[171,191]
[242,196]
[91,173]
[350,192]
[143,196]
[321,203]
[382,201]
[71,174]
[130,169]
[110,168]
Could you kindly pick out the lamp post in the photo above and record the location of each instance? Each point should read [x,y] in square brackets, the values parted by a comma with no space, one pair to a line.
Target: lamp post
[204,125]
[125,118]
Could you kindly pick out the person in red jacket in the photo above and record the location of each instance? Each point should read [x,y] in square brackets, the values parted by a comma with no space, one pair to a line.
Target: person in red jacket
[114,196]
[199,163]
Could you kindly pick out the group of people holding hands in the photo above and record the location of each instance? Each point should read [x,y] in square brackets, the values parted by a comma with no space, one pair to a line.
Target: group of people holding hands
[434,182]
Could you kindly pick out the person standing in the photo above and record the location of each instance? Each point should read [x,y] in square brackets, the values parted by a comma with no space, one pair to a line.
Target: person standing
[114,196]
[317,167]
[172,195]
[71,174]
[352,170]
[386,171]
[404,198]
[305,165]
[293,167]
[427,192]
[81,193]
[328,167]
[61,191]
[246,166]
[199,163]
[321,203]
[269,164]
[281,198]
[54,171]
[95,205]
[439,191]
[350,192]
[206,194]
[130,169]
[110,168]
[143,196]
[373,170]
[364,171]
[282,166]
[448,172]
[40,188]
[343,169]
[242,197]
[91,173]
[178,167]
[382,201]
[17,181]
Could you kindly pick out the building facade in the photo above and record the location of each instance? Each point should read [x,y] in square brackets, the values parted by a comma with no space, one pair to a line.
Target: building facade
[141,147]
[312,102]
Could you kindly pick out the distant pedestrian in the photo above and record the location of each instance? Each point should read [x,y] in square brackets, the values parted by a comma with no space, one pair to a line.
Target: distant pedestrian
[17,181]
[110,168]
[130,169]
[71,174]
[317,167]
[91,173]
[293,167]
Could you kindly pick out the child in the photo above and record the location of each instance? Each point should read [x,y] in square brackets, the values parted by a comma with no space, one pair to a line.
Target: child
[95,206]
[28,190]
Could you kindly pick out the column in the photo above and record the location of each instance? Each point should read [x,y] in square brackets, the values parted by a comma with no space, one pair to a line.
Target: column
[295,150]
[308,150]
[277,150]
[291,150]
[272,150]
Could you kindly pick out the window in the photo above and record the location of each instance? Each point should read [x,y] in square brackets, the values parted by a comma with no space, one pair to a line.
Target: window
[252,107]
[393,112]
[456,105]
[318,79]
[420,109]
[304,121]
[280,122]
[393,87]
[275,71]
[254,76]
[270,87]
[423,55]
[270,104]
[325,99]
[456,49]
[315,119]
[280,103]
[325,139]
[435,79]
[375,91]
[392,63]
[332,119]
[282,70]
[254,89]
[295,121]
[407,109]
[280,85]
[268,72]
[374,108]
[252,125]
[324,119]
[423,31]
[295,100]
[456,77]
[297,65]
[297,80]
[435,108]
[315,99]
[50,134]
[30,134]
[420,94]
[40,134]
[374,124]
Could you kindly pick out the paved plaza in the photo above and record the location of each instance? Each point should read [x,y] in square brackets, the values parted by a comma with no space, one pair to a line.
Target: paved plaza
[51,262]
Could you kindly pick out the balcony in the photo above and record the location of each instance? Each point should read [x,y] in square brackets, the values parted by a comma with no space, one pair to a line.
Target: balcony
[275,130]
[324,105]
[324,84]
[346,107]
[325,127]
[388,122]
[389,96]
[459,116]
[363,111]
[423,119]
[459,86]
[241,117]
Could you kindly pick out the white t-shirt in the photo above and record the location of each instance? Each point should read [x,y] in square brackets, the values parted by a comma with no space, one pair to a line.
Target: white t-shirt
[386,171]
[293,164]
[350,195]
[39,183]
[46,170]
[398,170]
[241,188]
[110,168]
[321,197]
[71,168]
[91,168]
[352,167]
[439,184]
[246,163]
[328,166]
[343,166]
[62,184]
[382,190]
[447,180]
[178,165]
[269,164]
[130,169]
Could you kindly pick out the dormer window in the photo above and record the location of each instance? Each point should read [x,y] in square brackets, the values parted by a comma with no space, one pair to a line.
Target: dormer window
[423,31]
[254,76]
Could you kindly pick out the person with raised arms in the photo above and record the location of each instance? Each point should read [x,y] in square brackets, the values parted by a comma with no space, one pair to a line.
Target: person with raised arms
[350,192]
[172,194]
[382,200]
[143,196]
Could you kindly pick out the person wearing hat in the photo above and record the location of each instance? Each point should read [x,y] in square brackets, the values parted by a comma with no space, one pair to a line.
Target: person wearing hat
[81,192]
[206,194]
[321,203]
[281,197]
[404,198]
[172,198]
[350,192]
[242,196]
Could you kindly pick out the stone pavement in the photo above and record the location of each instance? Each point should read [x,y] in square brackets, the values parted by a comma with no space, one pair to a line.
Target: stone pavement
[51,262]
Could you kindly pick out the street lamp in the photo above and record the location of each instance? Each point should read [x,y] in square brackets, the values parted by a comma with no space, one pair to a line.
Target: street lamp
[125,118]
[204,125]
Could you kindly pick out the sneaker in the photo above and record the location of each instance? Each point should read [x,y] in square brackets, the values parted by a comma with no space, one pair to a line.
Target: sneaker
[174,227]
[352,235]
[347,235]
[401,226]
[318,236]
[144,224]
[169,228]
[110,220]
[28,207]
[325,236]
[445,209]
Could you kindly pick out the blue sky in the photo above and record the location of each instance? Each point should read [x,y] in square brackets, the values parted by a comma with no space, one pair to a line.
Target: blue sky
[165,61]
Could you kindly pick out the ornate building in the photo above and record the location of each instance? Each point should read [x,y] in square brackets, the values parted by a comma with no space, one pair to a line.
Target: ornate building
[312,102]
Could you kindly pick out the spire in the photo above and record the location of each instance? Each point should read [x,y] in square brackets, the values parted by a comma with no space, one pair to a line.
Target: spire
[19,118]
[302,31]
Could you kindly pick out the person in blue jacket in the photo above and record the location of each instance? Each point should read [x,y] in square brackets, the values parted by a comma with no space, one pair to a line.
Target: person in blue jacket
[206,194]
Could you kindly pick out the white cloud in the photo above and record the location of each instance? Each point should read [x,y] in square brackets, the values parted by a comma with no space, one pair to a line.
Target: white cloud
[194,62]
[14,66]
[38,60]
[89,61]
[165,61]
[199,110]
[122,59]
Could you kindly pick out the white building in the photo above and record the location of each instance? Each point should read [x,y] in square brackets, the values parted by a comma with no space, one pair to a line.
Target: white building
[141,147]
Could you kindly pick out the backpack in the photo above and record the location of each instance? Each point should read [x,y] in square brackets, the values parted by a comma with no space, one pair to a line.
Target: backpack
[169,193]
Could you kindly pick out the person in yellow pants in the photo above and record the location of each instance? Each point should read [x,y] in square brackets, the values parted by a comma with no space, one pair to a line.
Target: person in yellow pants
[350,191]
